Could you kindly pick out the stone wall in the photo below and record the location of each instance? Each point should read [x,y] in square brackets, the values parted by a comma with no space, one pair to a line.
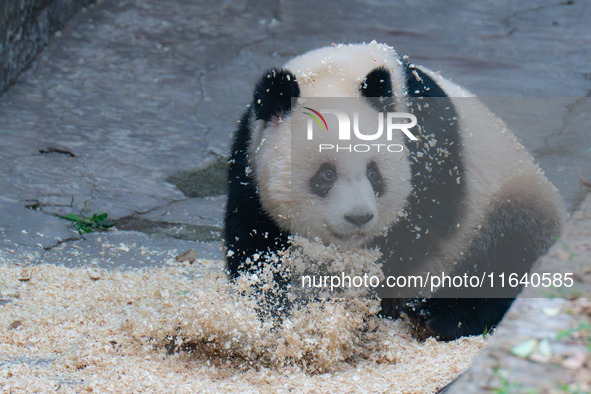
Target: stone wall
[25,28]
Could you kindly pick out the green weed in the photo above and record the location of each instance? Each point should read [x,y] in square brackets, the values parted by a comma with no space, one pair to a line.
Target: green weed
[97,222]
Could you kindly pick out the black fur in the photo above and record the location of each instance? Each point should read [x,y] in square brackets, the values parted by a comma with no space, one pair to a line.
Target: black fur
[247,228]
[321,183]
[376,179]
[273,94]
[434,207]
[514,236]
[378,83]
[434,204]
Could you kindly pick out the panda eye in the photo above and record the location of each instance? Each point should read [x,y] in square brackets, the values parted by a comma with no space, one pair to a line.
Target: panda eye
[375,178]
[323,180]
[328,175]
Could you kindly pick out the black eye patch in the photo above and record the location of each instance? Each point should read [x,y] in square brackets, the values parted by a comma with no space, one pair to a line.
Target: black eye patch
[323,180]
[375,178]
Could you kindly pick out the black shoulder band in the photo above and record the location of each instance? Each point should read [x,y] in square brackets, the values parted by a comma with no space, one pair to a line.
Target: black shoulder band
[438,186]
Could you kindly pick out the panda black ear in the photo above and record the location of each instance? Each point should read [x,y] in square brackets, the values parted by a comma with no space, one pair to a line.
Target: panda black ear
[377,88]
[273,94]
[378,83]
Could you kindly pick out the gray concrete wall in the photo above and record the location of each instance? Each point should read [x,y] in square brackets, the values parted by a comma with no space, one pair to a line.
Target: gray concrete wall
[25,28]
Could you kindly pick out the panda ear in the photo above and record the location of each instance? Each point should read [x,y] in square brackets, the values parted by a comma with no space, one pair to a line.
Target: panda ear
[273,94]
[378,83]
[377,88]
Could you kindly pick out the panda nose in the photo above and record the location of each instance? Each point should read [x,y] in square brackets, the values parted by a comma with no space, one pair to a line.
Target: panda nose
[359,220]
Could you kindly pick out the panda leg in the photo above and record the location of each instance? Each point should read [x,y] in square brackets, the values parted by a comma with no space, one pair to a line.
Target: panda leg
[516,233]
[451,318]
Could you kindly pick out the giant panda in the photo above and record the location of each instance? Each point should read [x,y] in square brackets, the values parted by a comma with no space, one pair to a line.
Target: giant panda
[464,197]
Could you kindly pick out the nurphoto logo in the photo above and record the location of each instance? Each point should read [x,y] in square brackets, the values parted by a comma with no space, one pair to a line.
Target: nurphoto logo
[388,123]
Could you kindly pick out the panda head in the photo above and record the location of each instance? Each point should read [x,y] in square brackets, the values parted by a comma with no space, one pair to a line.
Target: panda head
[340,197]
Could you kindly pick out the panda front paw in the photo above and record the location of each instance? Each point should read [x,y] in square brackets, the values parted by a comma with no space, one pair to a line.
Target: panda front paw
[448,319]
[431,319]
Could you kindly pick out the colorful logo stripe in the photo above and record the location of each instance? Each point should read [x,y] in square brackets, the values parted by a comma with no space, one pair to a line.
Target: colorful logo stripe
[315,118]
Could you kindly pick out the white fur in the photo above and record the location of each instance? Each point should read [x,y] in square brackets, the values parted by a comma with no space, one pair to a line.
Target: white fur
[496,164]
[352,192]
[338,70]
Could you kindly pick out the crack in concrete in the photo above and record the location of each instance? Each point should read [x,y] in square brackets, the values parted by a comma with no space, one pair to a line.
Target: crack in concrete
[184,231]
[507,20]
[587,76]
[37,205]
[570,109]
[136,213]
[62,241]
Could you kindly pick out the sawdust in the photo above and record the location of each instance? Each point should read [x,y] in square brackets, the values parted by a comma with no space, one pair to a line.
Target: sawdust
[184,328]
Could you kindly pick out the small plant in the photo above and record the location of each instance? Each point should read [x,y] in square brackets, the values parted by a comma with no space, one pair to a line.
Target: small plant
[97,222]
[574,390]
[505,386]
[508,386]
[582,331]
[566,247]
[487,331]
